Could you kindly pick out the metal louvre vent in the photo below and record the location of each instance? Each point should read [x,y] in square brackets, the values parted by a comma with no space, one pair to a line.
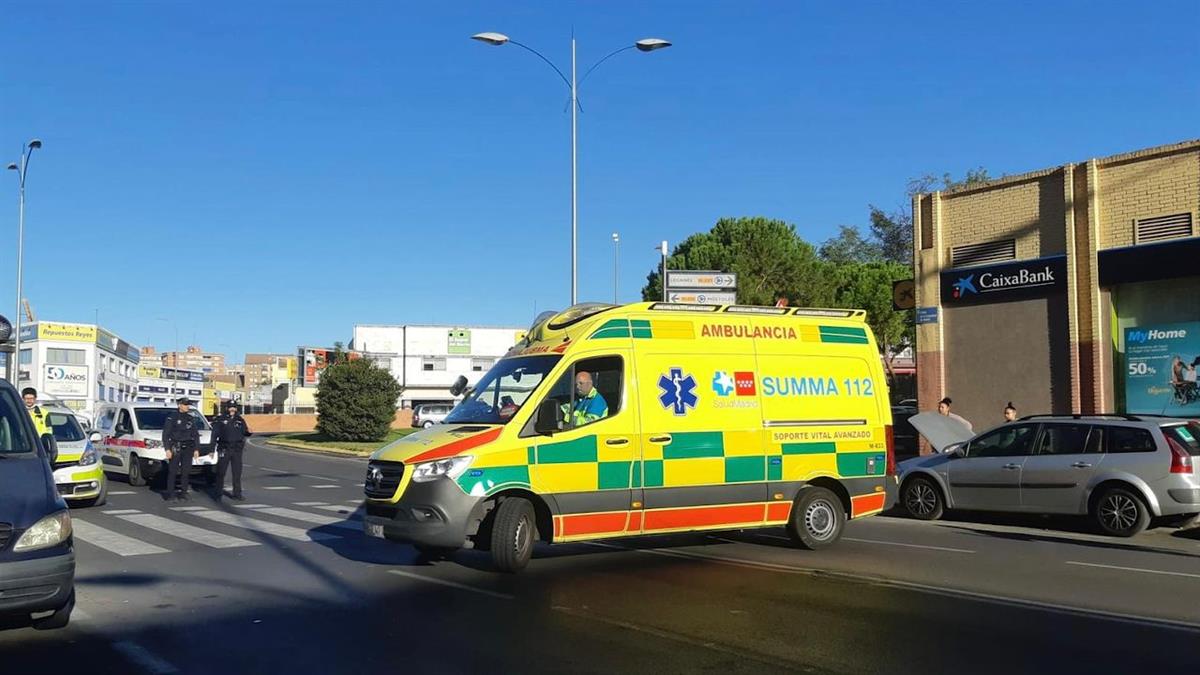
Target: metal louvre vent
[1176,226]
[988,252]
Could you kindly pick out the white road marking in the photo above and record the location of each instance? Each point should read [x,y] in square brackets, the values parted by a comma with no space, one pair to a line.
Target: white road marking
[111,541]
[143,658]
[117,512]
[279,487]
[188,532]
[250,506]
[189,508]
[122,492]
[1134,569]
[324,487]
[453,584]
[310,503]
[312,518]
[274,529]
[896,543]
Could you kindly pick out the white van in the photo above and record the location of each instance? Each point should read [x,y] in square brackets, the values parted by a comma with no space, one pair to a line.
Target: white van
[131,441]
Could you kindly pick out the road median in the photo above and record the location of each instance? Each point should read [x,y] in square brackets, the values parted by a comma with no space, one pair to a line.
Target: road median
[320,444]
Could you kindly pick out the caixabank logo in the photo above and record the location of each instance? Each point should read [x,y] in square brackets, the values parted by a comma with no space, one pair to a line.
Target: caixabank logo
[1005,281]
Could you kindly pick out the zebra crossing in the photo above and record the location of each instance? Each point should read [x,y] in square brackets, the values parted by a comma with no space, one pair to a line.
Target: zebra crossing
[134,532]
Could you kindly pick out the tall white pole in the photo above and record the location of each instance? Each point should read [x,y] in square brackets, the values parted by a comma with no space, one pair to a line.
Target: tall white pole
[574,178]
[20,269]
[664,269]
[616,267]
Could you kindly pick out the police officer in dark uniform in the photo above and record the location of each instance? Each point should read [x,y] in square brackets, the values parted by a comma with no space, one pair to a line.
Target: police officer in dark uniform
[181,440]
[229,438]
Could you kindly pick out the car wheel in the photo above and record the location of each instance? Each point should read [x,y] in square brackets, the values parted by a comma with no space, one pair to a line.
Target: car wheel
[426,425]
[513,533]
[1120,513]
[59,619]
[817,518]
[136,477]
[922,499]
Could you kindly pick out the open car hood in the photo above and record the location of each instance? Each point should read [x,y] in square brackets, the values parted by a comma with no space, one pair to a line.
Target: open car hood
[942,431]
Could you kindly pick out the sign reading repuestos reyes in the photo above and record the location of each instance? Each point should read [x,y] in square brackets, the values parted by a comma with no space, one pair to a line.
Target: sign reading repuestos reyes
[1161,365]
[1003,282]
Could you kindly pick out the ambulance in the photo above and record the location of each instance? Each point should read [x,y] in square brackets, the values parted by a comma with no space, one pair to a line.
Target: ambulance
[614,421]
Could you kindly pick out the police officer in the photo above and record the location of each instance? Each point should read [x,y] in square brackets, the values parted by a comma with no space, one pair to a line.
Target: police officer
[35,411]
[181,439]
[229,438]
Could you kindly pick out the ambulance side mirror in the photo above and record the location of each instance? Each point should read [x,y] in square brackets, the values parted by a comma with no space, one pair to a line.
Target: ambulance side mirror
[546,422]
[459,386]
[95,437]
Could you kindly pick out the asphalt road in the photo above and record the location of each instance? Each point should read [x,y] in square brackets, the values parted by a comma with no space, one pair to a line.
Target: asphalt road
[286,582]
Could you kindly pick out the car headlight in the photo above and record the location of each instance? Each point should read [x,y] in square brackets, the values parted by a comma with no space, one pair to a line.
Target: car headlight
[451,468]
[50,531]
[89,456]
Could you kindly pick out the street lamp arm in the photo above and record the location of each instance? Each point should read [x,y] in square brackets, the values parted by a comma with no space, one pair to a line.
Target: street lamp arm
[543,58]
[597,64]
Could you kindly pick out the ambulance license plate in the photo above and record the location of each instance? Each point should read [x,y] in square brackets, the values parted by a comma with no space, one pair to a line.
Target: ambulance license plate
[375,530]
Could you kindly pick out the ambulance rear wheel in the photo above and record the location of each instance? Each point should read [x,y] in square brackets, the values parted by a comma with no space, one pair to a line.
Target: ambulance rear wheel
[514,530]
[817,519]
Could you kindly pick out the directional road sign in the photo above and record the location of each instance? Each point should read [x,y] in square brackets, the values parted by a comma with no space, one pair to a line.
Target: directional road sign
[702,297]
[682,279]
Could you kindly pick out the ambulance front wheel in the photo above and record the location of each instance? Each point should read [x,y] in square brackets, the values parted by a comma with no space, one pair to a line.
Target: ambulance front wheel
[514,530]
[817,518]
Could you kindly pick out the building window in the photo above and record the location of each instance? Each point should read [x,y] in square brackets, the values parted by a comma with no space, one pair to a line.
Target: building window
[26,357]
[432,363]
[65,357]
[481,365]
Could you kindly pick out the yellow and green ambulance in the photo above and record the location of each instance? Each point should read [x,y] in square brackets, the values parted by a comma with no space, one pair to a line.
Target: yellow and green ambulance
[613,421]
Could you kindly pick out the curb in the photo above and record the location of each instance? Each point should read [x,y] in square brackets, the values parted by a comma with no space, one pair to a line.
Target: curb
[328,452]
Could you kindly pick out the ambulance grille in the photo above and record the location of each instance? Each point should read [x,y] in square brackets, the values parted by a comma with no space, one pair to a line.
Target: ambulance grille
[383,485]
[6,530]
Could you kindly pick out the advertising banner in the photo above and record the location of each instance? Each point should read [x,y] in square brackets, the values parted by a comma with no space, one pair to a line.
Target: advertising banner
[66,332]
[459,341]
[1006,281]
[1161,364]
[65,380]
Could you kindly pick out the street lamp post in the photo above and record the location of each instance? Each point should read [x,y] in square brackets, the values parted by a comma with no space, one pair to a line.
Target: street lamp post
[21,170]
[644,45]
[616,237]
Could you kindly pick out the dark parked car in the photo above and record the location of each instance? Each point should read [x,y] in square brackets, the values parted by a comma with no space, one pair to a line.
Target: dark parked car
[37,552]
[907,438]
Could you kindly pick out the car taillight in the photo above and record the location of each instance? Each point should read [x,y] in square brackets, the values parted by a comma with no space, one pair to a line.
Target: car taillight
[1181,461]
[891,449]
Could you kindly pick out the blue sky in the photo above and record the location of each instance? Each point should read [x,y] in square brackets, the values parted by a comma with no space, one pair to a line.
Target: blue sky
[268,174]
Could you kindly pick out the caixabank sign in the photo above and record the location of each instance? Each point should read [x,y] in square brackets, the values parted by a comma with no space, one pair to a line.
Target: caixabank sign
[1004,282]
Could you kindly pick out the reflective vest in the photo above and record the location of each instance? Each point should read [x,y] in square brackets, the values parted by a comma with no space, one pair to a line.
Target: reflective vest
[39,420]
[586,410]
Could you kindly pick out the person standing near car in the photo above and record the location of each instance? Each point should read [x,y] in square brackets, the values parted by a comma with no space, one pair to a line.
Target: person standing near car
[29,394]
[944,408]
[229,438]
[181,440]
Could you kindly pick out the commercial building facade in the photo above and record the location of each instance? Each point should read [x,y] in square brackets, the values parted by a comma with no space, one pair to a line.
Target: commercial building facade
[1074,289]
[167,385]
[426,360]
[78,364]
[195,358]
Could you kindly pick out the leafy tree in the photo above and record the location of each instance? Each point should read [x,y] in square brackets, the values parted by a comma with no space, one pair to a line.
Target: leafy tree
[869,286]
[849,247]
[770,259]
[356,401]
[892,234]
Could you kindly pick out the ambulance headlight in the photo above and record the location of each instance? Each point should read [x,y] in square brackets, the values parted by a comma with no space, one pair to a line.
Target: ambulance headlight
[52,530]
[89,456]
[451,468]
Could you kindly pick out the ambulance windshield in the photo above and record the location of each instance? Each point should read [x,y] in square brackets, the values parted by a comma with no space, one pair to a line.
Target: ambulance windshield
[503,390]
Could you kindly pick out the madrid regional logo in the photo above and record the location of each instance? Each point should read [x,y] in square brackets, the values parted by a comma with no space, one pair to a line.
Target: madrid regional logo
[678,391]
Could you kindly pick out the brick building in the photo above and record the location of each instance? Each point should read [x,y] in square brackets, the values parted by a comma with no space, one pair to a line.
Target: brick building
[1028,287]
